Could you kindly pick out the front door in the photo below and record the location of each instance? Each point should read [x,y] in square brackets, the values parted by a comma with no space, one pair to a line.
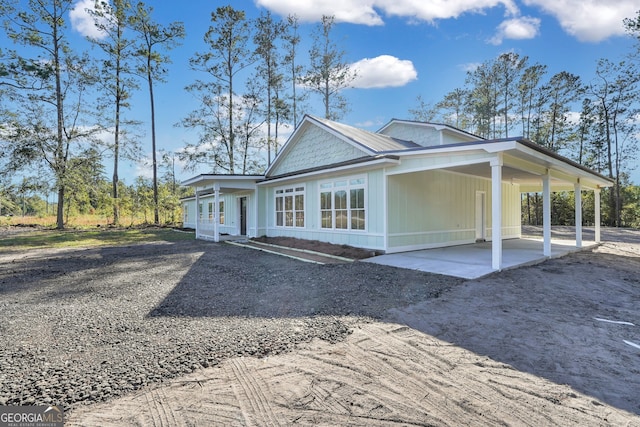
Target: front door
[481,223]
[243,216]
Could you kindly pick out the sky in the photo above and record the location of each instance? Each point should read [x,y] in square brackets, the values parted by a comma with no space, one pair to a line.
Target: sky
[400,49]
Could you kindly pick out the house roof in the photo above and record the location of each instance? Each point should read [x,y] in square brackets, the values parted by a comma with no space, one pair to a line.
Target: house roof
[371,141]
[379,150]
[436,126]
[362,162]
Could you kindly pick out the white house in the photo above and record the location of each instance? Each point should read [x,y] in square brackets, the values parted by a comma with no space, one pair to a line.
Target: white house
[409,186]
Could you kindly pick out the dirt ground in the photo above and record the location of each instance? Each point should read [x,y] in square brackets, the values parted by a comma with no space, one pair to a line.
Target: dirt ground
[552,344]
[557,343]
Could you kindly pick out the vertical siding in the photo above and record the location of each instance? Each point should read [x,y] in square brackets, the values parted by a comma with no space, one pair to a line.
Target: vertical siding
[231,224]
[437,208]
[263,211]
[190,221]
[371,238]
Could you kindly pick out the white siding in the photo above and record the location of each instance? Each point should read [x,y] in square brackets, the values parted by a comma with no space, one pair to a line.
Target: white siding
[316,147]
[421,135]
[189,206]
[425,135]
[371,238]
[437,208]
[231,224]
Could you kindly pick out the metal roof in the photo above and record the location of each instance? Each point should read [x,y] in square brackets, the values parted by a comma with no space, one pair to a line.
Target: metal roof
[375,142]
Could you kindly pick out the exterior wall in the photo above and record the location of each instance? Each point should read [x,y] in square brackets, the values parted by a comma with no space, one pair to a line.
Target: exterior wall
[231,224]
[372,237]
[442,160]
[317,147]
[438,208]
[189,213]
[424,135]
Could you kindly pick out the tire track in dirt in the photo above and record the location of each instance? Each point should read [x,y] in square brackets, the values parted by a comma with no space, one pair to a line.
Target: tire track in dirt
[161,409]
[253,394]
[383,374]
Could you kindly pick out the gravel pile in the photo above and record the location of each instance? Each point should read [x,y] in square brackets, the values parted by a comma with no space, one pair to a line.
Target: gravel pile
[86,325]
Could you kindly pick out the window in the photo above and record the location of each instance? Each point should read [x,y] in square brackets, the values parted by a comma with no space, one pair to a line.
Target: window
[200,210]
[342,204]
[290,207]
[211,213]
[185,212]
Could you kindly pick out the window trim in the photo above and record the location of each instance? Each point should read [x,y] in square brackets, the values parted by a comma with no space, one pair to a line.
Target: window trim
[293,191]
[343,184]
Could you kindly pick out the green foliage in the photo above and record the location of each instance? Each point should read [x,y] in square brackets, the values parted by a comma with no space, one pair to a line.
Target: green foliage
[57,239]
[328,73]
[229,53]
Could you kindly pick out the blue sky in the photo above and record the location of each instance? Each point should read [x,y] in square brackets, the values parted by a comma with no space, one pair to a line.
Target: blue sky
[401,49]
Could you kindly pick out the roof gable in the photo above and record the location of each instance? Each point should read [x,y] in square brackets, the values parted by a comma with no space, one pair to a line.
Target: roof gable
[312,145]
[320,142]
[426,134]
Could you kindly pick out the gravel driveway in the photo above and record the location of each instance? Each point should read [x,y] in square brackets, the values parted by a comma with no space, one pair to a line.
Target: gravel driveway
[85,325]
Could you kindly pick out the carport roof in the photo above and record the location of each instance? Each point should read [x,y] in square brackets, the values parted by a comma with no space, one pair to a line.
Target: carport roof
[524,162]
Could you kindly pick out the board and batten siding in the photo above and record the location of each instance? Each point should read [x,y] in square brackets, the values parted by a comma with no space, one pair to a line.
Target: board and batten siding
[438,208]
[189,213]
[370,238]
[231,224]
[316,147]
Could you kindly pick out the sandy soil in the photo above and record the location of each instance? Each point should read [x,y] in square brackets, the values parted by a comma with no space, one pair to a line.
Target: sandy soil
[553,344]
[384,374]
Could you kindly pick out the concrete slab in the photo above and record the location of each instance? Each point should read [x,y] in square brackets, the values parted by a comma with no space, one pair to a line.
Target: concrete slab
[474,261]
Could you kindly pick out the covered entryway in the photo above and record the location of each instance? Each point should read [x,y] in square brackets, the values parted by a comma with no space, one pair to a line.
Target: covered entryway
[231,197]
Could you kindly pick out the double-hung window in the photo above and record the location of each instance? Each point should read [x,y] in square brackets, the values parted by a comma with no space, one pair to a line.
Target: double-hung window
[290,207]
[342,204]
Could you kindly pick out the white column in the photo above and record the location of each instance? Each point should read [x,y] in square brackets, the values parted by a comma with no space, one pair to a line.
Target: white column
[596,202]
[577,187]
[197,214]
[496,212]
[546,212]
[216,212]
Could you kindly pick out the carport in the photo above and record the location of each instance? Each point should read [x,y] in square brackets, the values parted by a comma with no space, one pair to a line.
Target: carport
[474,261]
[528,168]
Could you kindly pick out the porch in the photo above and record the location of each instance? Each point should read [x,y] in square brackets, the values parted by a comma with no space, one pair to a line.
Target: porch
[474,260]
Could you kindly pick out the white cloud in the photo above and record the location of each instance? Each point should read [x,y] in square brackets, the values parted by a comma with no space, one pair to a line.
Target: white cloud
[83,22]
[589,20]
[517,28]
[470,66]
[368,12]
[353,11]
[383,71]
[369,124]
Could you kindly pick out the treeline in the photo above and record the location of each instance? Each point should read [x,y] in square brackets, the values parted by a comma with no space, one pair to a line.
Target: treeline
[595,123]
[57,102]
[89,194]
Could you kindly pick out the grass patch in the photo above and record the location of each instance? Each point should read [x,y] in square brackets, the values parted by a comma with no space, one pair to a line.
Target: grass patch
[81,238]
